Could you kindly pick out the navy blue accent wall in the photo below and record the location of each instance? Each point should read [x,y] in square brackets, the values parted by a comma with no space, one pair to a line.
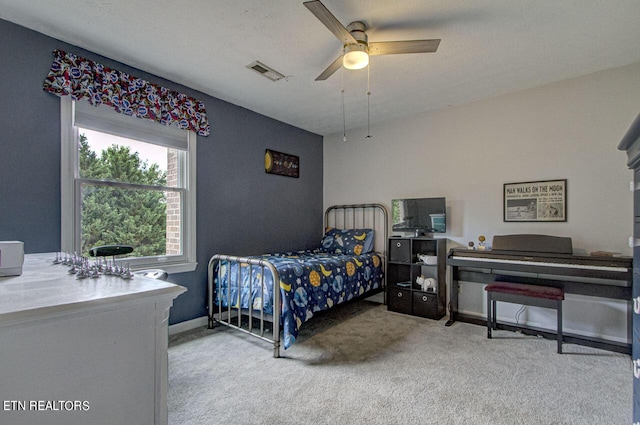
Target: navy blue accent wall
[241,210]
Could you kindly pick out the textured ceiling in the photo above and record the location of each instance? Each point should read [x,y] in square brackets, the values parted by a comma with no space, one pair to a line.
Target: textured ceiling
[488,48]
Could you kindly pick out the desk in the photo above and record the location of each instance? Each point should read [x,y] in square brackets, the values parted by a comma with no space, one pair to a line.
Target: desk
[592,276]
[100,344]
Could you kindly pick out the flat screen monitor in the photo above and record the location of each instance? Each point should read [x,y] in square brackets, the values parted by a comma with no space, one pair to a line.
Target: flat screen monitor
[421,214]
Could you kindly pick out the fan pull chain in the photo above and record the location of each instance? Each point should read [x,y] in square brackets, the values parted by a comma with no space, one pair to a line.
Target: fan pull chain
[344,116]
[368,104]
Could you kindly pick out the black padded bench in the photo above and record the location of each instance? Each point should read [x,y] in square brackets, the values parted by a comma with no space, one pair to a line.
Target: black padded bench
[520,293]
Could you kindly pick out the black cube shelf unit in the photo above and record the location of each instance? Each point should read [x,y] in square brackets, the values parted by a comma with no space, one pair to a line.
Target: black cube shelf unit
[403,268]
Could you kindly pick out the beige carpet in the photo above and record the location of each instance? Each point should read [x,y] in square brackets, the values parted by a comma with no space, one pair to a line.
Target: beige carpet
[360,364]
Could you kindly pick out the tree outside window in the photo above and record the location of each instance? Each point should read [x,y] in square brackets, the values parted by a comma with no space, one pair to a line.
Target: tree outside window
[141,211]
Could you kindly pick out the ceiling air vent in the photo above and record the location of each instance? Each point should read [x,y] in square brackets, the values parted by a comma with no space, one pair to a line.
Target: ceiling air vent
[265,71]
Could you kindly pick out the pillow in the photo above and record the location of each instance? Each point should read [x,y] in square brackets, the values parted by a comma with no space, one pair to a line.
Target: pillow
[351,241]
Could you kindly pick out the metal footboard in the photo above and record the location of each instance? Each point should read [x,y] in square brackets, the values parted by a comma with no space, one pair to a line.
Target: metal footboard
[238,311]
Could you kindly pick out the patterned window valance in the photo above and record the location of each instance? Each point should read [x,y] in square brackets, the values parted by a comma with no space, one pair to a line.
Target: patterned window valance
[80,78]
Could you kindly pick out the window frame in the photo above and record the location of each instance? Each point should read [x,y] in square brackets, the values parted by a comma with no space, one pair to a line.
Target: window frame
[71,197]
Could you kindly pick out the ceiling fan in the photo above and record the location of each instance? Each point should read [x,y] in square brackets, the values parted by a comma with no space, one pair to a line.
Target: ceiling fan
[357,48]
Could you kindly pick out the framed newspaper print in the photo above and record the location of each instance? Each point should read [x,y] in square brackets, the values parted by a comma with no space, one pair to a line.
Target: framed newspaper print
[543,201]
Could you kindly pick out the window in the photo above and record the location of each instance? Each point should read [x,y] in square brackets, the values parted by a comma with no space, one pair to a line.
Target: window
[128,181]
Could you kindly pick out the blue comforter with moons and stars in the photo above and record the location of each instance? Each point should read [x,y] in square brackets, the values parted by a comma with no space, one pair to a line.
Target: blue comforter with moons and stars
[310,281]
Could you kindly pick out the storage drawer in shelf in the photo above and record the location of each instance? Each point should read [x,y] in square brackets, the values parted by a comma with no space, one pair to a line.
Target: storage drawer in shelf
[425,304]
[400,300]
[400,250]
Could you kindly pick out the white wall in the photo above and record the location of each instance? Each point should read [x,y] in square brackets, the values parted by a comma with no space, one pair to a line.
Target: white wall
[566,130]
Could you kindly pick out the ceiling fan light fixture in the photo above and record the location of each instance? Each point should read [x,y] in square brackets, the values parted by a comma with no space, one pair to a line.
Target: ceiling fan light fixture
[355,56]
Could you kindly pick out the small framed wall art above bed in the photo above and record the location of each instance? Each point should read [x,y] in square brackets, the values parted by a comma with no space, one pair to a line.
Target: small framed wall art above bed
[264,295]
[283,164]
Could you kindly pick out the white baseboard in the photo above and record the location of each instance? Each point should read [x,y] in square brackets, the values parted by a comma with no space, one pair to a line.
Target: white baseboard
[187,325]
[566,329]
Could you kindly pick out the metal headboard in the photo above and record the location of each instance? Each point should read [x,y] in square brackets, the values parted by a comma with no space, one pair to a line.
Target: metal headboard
[353,216]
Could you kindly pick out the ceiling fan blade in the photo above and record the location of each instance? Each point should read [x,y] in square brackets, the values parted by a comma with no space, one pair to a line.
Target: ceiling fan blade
[398,47]
[330,69]
[330,21]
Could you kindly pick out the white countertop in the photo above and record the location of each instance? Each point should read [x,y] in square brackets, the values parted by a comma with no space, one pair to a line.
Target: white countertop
[46,288]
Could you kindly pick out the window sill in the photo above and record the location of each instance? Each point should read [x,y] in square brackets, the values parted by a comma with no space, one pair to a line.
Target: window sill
[169,268]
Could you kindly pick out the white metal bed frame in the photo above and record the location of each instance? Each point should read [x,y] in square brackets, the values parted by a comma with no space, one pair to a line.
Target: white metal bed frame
[374,216]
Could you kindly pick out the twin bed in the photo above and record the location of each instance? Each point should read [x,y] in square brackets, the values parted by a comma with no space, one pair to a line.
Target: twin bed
[349,263]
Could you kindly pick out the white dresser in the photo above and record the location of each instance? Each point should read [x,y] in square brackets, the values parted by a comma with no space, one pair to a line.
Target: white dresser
[90,351]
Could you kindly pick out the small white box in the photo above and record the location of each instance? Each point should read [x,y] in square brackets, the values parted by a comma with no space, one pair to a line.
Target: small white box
[431,260]
[11,258]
